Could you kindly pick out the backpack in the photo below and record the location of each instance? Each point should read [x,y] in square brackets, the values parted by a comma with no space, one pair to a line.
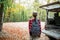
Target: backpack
[35,30]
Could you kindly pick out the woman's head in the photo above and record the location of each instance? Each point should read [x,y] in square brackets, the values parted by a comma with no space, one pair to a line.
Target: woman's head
[34,14]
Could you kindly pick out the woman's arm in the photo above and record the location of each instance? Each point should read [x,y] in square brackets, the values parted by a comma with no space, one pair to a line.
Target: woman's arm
[39,24]
[29,25]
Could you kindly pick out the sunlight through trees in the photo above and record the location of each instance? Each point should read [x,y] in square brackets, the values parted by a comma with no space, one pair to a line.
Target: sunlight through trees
[21,10]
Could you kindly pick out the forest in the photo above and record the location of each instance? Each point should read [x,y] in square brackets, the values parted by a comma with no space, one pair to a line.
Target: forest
[21,11]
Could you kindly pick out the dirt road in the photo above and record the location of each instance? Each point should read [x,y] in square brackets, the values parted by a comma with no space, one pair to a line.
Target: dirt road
[19,31]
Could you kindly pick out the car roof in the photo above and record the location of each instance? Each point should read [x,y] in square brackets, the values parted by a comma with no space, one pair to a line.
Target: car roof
[54,7]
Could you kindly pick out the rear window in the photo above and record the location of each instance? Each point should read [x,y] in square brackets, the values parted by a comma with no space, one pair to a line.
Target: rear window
[59,14]
[51,14]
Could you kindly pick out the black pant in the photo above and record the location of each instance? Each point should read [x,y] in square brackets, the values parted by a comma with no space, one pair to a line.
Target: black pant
[34,36]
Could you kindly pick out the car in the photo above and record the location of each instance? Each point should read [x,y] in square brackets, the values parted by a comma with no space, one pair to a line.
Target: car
[52,23]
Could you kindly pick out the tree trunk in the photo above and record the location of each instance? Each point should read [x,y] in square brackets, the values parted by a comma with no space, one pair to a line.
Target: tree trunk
[1,15]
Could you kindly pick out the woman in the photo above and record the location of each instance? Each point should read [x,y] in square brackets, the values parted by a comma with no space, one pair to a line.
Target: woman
[32,23]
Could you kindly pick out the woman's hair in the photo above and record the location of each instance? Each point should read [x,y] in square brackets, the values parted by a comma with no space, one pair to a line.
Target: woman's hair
[34,14]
